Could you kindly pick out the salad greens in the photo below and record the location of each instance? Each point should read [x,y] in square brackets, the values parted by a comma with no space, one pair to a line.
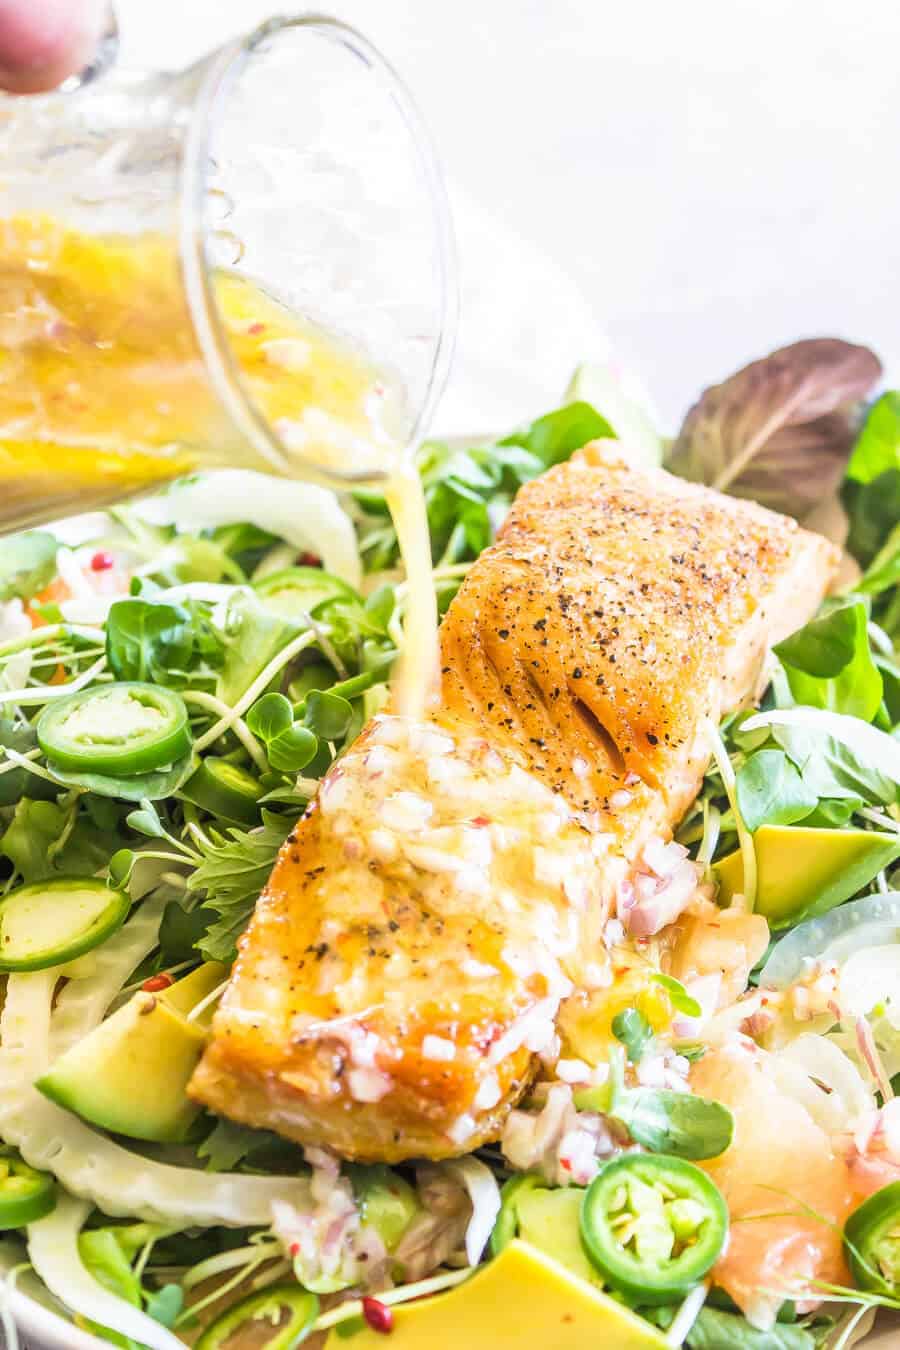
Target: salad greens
[263,665]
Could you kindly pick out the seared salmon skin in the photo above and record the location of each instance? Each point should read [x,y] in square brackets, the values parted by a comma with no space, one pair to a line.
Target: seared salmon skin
[450,884]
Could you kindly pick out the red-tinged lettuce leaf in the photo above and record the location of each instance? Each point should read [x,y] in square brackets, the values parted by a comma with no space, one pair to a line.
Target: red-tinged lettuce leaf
[781,429]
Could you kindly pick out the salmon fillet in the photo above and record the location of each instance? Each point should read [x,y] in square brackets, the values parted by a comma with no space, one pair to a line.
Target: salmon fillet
[449,886]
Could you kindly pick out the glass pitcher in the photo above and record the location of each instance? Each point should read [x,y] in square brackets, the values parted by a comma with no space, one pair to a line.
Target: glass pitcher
[246,263]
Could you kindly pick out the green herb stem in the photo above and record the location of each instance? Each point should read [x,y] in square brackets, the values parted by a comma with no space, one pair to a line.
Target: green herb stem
[403,1294]
[238,725]
[249,696]
[50,633]
[687,1314]
[223,1261]
[31,696]
[745,838]
[25,762]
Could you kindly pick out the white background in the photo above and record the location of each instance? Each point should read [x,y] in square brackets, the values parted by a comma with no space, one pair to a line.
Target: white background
[717,176]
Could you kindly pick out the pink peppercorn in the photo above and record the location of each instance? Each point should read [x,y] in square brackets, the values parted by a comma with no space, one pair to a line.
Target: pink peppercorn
[102,561]
[378,1315]
[156,983]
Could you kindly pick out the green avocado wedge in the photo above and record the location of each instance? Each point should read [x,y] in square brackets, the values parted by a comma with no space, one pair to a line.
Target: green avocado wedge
[130,1075]
[551,1221]
[803,872]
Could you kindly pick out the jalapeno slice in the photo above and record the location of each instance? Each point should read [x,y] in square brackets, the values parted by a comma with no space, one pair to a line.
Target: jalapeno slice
[653,1225]
[225,790]
[122,729]
[269,1305]
[48,923]
[25,1195]
[872,1241]
[302,590]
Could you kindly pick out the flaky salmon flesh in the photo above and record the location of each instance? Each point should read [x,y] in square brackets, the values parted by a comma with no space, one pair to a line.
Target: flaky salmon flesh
[448,889]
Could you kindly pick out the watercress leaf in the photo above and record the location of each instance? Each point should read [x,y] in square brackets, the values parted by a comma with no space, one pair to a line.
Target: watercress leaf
[253,636]
[146,821]
[518,464]
[884,570]
[890,675]
[270,716]
[855,754]
[634,1031]
[832,815]
[873,510]
[829,662]
[679,997]
[152,787]
[165,1304]
[18,782]
[477,526]
[120,867]
[32,841]
[771,791]
[781,429]
[826,645]
[831,769]
[715,1329]
[327,715]
[145,640]
[380,606]
[315,675]
[556,436]
[202,559]
[878,445]
[292,750]
[675,1122]
[27,563]
[468,475]
[182,930]
[229,1144]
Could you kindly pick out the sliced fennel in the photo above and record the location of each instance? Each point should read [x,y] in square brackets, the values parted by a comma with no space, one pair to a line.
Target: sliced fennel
[484,1194]
[121,1183]
[53,1251]
[25,1026]
[820,1076]
[84,1000]
[870,980]
[90,1165]
[870,922]
[309,517]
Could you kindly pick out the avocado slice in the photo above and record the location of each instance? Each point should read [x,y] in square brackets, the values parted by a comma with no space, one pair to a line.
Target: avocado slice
[130,1074]
[386,1201]
[522,1297]
[551,1221]
[803,872]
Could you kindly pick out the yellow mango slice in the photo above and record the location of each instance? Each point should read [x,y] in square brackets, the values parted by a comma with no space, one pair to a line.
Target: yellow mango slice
[522,1298]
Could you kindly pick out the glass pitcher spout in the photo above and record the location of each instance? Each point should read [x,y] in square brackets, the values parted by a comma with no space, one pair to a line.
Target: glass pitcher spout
[249,262]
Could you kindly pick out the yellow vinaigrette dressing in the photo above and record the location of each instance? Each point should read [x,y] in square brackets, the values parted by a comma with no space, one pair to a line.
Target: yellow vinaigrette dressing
[104,393]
